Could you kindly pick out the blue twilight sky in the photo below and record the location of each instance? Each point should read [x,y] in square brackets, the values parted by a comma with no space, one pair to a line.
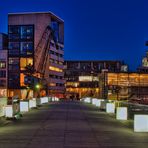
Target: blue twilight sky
[94,29]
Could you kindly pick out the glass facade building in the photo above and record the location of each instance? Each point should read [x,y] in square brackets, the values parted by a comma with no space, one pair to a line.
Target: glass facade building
[29,46]
[20,53]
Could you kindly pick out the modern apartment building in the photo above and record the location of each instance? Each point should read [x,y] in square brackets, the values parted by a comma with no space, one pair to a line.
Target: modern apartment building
[36,48]
[3,65]
[82,76]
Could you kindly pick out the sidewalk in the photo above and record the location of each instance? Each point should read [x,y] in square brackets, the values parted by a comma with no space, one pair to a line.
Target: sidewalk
[70,125]
[3,121]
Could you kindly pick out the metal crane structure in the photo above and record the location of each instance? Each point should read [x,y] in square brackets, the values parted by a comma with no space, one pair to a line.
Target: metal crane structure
[41,59]
[41,56]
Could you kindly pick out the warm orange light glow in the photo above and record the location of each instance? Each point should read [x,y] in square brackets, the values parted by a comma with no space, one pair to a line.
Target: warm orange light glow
[22,76]
[72,84]
[55,69]
[125,79]
[24,62]
[52,84]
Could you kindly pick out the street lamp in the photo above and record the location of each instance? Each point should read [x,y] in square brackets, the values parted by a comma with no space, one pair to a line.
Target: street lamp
[37,86]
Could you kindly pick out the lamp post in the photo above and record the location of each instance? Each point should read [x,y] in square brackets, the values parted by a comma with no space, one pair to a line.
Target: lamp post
[38,86]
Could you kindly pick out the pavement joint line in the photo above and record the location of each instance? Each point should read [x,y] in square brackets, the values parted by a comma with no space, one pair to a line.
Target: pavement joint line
[65,131]
[37,131]
[92,130]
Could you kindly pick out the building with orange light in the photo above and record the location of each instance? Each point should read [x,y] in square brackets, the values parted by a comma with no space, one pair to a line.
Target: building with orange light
[82,76]
[3,65]
[35,54]
[121,86]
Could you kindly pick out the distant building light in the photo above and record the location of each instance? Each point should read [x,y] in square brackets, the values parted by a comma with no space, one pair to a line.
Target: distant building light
[55,69]
[88,78]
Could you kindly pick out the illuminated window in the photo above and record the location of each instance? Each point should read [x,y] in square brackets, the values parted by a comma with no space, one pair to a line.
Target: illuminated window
[2,64]
[52,84]
[25,62]
[72,84]
[88,78]
[55,69]
[22,78]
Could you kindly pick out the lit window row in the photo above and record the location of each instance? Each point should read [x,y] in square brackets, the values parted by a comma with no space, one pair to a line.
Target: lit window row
[55,69]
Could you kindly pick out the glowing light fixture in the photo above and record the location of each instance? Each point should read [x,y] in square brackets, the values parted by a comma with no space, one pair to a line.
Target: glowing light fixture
[37,86]
[30,103]
[140,123]
[9,111]
[44,100]
[98,103]
[94,101]
[121,113]
[110,108]
[24,106]
[56,99]
[87,100]
[34,102]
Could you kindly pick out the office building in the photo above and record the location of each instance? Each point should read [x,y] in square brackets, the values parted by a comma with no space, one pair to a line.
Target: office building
[82,76]
[36,48]
[3,65]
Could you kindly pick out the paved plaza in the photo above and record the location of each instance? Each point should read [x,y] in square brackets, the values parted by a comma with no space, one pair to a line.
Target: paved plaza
[70,125]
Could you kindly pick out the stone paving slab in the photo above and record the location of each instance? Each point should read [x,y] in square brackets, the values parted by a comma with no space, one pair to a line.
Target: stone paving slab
[70,125]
